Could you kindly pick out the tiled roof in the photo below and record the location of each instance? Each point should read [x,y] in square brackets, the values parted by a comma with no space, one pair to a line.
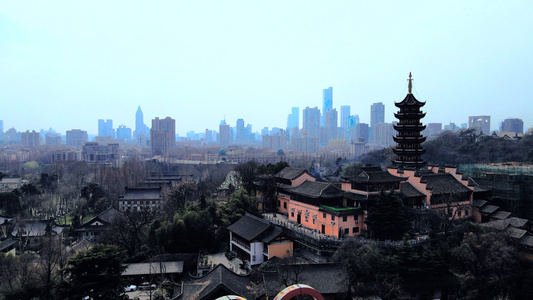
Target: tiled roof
[515,233]
[316,189]
[500,215]
[218,280]
[37,227]
[290,173]
[109,215]
[408,190]
[443,183]
[7,243]
[249,227]
[271,235]
[526,240]
[375,175]
[142,194]
[489,209]
[479,203]
[517,222]
[327,279]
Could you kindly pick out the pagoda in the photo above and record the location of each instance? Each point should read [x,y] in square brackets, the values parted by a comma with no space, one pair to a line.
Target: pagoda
[409,138]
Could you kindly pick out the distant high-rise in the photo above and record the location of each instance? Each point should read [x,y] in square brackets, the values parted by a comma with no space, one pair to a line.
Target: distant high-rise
[224,135]
[140,127]
[1,126]
[481,124]
[327,103]
[293,120]
[52,139]
[330,125]
[360,133]
[377,115]
[162,135]
[512,125]
[384,133]
[311,122]
[239,134]
[345,121]
[76,137]
[123,132]
[432,130]
[31,139]
[105,128]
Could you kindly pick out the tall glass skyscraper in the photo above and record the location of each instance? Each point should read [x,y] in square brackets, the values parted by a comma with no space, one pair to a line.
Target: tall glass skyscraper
[293,120]
[327,103]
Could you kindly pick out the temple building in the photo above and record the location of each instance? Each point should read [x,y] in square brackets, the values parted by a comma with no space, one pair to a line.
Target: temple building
[409,138]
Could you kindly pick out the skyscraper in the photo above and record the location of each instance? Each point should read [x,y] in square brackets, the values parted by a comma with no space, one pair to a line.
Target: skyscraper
[481,124]
[512,125]
[105,128]
[345,121]
[162,135]
[327,103]
[293,120]
[76,137]
[224,133]
[330,125]
[123,132]
[140,127]
[1,126]
[239,134]
[377,115]
[311,122]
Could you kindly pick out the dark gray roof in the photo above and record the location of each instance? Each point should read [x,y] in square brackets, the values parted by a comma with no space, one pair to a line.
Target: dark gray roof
[501,215]
[218,282]
[375,175]
[527,240]
[7,243]
[142,194]
[443,183]
[327,279]
[271,235]
[408,190]
[489,209]
[479,203]
[249,227]
[291,173]
[107,217]
[515,233]
[316,189]
[36,227]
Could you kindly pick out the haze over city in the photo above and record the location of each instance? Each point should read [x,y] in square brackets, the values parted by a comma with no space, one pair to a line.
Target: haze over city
[66,65]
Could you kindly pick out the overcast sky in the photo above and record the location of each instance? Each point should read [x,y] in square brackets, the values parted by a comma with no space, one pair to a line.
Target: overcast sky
[66,64]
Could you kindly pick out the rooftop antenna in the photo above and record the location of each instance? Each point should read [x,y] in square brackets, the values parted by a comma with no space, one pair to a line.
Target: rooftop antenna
[410,86]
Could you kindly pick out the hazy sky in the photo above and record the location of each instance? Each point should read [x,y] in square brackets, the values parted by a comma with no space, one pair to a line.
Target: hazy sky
[66,64]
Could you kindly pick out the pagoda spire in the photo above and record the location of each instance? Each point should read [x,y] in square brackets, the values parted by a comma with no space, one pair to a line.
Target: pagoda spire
[410,86]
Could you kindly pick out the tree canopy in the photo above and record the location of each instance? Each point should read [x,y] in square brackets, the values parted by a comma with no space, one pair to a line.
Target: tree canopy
[96,273]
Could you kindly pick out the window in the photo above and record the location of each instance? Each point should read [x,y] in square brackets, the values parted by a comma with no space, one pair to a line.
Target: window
[284,204]
[314,221]
[355,229]
[459,213]
[356,221]
[324,215]
[345,218]
[292,214]
[466,212]
[346,230]
[332,218]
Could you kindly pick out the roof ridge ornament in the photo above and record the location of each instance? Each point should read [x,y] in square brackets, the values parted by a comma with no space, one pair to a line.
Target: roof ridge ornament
[410,86]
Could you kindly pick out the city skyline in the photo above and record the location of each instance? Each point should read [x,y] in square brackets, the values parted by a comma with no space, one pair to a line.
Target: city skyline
[255,62]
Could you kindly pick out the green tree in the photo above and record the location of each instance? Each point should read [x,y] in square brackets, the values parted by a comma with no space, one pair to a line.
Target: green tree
[95,273]
[239,204]
[387,217]
[247,173]
[10,203]
[351,169]
[369,272]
